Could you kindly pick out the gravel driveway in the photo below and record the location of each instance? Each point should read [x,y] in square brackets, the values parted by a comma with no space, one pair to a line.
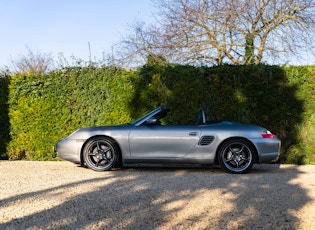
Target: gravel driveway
[61,195]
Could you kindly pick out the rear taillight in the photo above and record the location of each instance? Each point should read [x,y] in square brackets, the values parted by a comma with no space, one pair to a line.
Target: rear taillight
[268,134]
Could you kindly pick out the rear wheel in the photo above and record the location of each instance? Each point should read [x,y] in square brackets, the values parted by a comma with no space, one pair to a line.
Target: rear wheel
[101,154]
[237,156]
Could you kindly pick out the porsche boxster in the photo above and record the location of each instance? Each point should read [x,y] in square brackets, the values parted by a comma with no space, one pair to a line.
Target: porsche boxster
[234,146]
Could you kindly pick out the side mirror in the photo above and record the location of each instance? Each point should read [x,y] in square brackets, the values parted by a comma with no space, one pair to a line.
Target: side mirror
[150,121]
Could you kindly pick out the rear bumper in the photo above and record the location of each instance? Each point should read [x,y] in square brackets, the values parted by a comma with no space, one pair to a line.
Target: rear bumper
[268,149]
[269,157]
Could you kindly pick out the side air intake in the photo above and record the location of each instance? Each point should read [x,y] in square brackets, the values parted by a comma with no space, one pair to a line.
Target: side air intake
[206,140]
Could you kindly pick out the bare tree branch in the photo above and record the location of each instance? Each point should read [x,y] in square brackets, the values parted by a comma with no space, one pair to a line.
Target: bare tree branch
[207,32]
[32,62]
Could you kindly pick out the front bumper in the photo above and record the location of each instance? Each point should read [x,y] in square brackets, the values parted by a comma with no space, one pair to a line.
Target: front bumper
[69,149]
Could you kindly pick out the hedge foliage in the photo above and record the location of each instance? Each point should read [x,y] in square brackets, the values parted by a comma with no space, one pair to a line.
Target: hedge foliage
[4,117]
[45,108]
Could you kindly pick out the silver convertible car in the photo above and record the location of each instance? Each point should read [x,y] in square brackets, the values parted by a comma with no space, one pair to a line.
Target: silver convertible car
[234,146]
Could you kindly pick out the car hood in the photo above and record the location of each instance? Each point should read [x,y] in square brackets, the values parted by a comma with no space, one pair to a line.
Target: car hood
[84,133]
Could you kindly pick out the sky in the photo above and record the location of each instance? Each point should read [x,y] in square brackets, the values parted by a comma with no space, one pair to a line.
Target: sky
[73,28]
[67,27]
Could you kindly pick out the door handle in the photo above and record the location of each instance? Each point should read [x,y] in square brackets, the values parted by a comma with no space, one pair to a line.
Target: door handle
[193,134]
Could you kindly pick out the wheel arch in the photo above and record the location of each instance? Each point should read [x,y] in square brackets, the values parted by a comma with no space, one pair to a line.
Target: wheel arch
[103,136]
[216,160]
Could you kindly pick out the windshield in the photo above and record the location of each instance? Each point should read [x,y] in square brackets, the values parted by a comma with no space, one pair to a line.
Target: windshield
[157,113]
[145,116]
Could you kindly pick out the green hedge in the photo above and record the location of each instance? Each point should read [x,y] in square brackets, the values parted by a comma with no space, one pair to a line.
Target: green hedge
[45,108]
[264,95]
[4,118]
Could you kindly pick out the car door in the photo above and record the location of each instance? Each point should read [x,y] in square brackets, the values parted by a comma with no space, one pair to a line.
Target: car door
[159,141]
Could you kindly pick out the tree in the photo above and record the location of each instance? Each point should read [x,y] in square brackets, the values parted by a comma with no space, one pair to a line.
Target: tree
[208,32]
[32,62]
[4,72]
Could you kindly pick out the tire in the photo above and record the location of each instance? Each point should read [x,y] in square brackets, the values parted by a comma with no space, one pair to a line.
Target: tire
[101,154]
[237,156]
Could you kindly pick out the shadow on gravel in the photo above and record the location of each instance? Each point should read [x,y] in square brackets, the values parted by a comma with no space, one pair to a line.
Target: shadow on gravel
[174,198]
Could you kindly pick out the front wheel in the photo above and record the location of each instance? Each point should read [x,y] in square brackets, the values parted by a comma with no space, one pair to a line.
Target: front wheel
[101,154]
[237,156]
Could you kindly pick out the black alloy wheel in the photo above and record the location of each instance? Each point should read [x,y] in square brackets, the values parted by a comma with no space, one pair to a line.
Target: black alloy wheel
[237,156]
[101,154]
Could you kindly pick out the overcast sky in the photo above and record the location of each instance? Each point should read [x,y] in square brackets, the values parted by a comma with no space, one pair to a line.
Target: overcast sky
[66,26]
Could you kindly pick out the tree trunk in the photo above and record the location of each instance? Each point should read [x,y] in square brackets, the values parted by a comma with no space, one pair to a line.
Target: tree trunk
[249,50]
